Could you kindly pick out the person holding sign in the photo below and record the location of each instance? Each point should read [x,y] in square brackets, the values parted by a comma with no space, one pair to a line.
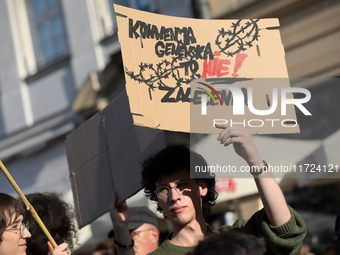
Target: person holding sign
[14,232]
[57,216]
[186,201]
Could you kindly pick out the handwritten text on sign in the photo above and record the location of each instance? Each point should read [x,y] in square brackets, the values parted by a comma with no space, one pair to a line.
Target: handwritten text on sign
[181,45]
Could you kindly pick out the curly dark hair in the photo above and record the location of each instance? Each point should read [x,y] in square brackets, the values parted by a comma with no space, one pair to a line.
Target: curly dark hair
[173,159]
[57,216]
[9,206]
[232,243]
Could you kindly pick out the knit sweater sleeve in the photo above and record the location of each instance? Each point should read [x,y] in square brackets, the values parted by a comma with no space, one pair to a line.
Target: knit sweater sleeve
[284,239]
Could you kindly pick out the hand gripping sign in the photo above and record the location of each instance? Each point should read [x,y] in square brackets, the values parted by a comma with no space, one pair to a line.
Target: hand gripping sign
[188,74]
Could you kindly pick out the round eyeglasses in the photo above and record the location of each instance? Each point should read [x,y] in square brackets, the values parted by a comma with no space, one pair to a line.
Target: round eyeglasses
[23,227]
[163,191]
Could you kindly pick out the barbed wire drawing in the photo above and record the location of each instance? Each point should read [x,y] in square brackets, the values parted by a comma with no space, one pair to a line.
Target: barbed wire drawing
[164,73]
[237,39]
[180,71]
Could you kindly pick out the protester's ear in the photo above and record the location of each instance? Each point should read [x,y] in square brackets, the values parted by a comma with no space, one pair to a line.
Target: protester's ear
[155,234]
[203,188]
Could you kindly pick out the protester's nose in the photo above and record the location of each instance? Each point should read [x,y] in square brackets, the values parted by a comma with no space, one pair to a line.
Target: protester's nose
[27,234]
[174,194]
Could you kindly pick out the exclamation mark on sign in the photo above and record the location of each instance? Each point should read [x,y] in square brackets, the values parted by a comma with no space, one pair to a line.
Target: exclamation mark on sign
[238,63]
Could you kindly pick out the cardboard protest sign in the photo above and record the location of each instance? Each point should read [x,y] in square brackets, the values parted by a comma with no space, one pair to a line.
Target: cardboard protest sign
[187,74]
[104,156]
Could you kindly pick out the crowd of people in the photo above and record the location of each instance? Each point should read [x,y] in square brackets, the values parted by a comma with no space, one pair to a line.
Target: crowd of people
[183,200]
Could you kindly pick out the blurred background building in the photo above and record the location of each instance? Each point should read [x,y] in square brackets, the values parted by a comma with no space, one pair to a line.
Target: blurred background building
[60,63]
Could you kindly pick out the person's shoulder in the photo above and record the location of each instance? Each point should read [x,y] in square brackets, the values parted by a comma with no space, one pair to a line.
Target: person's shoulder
[168,248]
[158,251]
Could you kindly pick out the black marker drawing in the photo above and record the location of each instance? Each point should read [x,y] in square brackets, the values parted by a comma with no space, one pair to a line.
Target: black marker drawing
[238,38]
[182,69]
[169,75]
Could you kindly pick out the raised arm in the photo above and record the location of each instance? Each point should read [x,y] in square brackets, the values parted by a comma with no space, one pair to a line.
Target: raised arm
[271,195]
[120,218]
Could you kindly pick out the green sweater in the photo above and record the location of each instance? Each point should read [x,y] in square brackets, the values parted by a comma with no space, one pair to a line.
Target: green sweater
[284,239]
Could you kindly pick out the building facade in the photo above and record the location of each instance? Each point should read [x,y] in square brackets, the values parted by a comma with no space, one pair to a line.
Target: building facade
[59,61]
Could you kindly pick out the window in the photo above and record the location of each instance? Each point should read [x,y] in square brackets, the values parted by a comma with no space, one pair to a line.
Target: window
[47,30]
[104,16]
[143,5]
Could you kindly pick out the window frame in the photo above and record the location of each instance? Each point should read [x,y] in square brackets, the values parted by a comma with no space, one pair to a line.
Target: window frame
[42,61]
